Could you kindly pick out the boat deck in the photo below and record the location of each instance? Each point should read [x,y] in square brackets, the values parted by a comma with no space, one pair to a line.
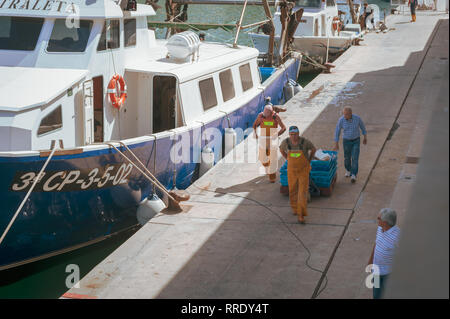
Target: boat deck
[237,237]
[212,55]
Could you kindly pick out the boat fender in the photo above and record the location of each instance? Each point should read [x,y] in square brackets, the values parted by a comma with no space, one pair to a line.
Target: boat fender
[149,208]
[117,101]
[297,88]
[230,139]
[207,161]
[290,89]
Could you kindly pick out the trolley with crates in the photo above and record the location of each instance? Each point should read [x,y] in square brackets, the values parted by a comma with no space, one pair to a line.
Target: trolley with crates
[322,176]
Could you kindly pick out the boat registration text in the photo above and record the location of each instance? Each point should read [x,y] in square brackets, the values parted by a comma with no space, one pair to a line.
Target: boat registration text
[72,180]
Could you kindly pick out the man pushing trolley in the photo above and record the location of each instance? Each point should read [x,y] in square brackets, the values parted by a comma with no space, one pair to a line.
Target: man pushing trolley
[298,151]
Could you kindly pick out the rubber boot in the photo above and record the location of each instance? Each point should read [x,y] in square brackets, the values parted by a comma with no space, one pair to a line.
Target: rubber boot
[272,177]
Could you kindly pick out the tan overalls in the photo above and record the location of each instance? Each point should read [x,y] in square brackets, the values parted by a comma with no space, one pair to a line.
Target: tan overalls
[298,180]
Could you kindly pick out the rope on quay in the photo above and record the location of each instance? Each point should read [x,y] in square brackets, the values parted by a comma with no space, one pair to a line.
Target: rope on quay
[322,272]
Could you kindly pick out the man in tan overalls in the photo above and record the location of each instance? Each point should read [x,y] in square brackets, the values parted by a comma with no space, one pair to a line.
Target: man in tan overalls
[298,151]
[269,122]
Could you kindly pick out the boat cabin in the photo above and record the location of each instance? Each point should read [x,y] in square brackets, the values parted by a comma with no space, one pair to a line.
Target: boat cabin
[57,59]
[316,20]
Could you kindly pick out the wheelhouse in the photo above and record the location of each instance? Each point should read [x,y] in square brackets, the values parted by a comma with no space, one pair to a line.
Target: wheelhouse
[67,60]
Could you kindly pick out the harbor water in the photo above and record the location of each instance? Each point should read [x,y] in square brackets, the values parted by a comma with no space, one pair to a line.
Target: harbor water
[47,278]
[217,14]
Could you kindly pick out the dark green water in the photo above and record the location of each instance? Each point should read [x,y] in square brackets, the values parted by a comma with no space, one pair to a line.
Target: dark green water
[304,79]
[46,278]
[217,14]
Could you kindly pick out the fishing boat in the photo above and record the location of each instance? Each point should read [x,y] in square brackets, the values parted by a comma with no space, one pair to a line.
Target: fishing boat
[85,87]
[320,34]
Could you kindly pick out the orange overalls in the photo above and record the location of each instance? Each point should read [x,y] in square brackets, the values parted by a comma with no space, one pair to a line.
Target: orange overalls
[268,146]
[298,180]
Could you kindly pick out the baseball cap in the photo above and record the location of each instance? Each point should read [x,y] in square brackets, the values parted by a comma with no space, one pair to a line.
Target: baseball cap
[293,129]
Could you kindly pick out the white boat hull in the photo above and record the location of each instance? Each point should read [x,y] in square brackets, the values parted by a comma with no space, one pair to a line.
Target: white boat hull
[310,45]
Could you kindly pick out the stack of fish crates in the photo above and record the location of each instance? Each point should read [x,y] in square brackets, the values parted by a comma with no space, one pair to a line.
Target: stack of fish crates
[324,173]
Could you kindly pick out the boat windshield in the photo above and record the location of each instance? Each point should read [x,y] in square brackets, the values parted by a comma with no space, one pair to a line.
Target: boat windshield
[308,3]
[69,38]
[17,33]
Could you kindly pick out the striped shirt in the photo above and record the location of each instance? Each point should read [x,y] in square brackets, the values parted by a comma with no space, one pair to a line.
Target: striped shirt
[351,128]
[385,246]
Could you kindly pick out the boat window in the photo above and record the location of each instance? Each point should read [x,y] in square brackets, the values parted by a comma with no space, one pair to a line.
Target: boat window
[129,26]
[246,77]
[208,93]
[308,3]
[226,83]
[164,103]
[98,108]
[18,33]
[51,121]
[66,38]
[330,3]
[110,34]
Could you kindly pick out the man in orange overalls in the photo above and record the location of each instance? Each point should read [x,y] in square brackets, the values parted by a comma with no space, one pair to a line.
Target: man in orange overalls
[269,121]
[298,151]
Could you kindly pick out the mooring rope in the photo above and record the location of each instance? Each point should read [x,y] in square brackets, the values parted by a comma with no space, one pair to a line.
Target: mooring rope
[152,179]
[36,180]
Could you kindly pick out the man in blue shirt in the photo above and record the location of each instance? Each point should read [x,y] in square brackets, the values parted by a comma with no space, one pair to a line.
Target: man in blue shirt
[351,124]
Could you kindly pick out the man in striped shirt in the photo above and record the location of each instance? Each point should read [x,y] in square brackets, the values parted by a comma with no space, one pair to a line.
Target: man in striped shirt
[351,124]
[383,251]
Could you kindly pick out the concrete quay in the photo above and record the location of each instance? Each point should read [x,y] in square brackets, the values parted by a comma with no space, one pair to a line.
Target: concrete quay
[237,237]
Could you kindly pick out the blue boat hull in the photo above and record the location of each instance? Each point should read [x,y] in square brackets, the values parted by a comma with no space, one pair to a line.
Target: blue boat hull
[86,197]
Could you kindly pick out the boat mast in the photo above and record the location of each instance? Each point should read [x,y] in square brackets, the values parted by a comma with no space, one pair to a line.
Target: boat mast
[239,24]
[289,24]
[352,11]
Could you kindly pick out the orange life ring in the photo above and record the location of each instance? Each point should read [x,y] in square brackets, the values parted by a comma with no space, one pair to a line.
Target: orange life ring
[117,101]
[336,24]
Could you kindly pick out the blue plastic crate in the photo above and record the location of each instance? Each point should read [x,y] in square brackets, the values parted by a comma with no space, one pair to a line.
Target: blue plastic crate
[324,173]
[266,72]
[322,178]
[317,165]
[283,174]
[324,181]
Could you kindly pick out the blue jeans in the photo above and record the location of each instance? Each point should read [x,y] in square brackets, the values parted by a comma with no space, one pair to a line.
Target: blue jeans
[351,155]
[378,292]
